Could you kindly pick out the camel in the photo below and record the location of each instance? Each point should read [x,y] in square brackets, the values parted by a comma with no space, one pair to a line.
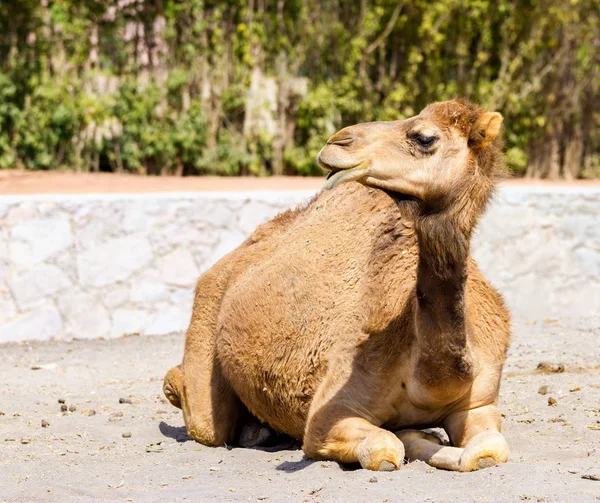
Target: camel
[354,323]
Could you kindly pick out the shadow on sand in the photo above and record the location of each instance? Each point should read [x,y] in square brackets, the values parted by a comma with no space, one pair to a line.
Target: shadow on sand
[178,433]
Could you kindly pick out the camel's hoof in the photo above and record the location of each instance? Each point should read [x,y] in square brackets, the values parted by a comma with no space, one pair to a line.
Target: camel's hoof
[386,466]
[488,448]
[172,386]
[381,451]
[486,462]
[254,435]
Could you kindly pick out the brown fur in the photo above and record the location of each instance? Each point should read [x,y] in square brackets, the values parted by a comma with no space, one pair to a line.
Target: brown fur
[362,312]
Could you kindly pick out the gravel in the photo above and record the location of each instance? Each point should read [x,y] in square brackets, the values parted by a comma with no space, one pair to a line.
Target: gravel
[141,452]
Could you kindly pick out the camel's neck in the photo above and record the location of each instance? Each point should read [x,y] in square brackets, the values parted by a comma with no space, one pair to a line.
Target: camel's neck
[444,241]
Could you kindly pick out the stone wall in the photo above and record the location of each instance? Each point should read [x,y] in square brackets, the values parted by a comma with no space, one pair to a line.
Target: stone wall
[90,266]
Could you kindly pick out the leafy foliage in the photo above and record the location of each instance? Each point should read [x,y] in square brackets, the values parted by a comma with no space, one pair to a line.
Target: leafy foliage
[255,87]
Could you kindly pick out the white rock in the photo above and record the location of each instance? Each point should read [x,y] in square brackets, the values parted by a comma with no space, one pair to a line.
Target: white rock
[36,240]
[168,320]
[221,213]
[91,234]
[116,297]
[85,317]
[180,234]
[184,296]
[43,324]
[90,324]
[255,213]
[47,208]
[136,218]
[588,261]
[18,213]
[7,306]
[178,268]
[149,287]
[42,281]
[129,321]
[4,241]
[113,261]
[75,301]
[228,242]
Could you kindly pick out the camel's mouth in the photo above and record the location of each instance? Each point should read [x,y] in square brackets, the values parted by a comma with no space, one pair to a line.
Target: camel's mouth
[341,166]
[333,169]
[332,172]
[339,175]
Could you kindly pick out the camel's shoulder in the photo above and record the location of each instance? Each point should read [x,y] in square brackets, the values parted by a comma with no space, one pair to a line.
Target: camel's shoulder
[350,205]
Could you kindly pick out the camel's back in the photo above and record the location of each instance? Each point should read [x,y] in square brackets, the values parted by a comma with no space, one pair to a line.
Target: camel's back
[305,291]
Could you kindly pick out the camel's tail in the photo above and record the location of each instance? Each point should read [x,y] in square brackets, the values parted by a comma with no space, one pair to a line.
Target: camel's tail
[172,386]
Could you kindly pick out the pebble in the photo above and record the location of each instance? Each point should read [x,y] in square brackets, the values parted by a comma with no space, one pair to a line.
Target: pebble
[124,400]
[127,434]
[551,368]
[591,476]
[373,480]
[25,440]
[61,400]
[543,390]
[63,408]
[115,416]
[90,412]
[72,408]
[552,401]
[45,423]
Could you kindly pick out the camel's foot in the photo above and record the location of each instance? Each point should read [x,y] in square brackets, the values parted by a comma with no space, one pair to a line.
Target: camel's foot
[486,449]
[381,451]
[353,440]
[255,435]
[172,386]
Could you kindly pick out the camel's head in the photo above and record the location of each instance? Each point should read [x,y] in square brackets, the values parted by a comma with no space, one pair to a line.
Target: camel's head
[448,145]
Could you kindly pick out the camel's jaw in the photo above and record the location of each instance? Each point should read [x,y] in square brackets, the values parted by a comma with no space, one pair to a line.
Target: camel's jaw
[340,169]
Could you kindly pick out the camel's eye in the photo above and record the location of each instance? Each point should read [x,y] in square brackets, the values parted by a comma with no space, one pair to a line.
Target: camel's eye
[424,141]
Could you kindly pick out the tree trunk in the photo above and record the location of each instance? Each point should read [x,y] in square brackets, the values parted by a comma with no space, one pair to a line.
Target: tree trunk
[573,154]
[282,107]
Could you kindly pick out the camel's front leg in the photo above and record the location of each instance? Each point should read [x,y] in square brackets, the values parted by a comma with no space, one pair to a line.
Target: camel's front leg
[352,440]
[476,433]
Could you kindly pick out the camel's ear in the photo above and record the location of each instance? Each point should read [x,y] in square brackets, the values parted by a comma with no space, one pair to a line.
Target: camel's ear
[485,129]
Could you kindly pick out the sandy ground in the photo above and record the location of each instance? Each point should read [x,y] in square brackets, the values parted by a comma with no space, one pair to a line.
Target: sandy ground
[104,450]
[36,182]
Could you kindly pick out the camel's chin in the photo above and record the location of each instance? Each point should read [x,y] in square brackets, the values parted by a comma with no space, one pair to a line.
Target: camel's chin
[338,176]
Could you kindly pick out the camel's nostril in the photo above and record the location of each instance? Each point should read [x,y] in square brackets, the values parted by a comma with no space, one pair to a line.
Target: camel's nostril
[343,141]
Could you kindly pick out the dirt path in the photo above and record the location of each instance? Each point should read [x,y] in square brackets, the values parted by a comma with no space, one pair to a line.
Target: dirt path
[111,451]
[38,182]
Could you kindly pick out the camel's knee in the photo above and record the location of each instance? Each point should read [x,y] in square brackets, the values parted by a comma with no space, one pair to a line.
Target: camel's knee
[206,434]
[313,446]
[172,386]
